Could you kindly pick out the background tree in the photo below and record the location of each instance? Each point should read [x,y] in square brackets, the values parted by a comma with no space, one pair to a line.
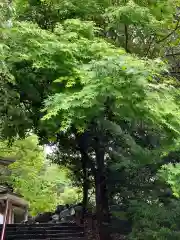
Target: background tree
[40,184]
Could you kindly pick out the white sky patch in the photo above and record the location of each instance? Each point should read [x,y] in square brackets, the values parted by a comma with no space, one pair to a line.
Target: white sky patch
[48,149]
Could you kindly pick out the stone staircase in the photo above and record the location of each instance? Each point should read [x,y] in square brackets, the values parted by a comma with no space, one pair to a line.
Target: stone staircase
[46,231]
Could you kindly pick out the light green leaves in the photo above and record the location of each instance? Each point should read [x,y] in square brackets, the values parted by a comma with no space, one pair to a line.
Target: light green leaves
[171,174]
[28,176]
[130,82]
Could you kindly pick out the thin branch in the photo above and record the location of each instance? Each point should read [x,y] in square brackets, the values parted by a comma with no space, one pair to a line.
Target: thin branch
[175,73]
[126,37]
[172,54]
[163,39]
[150,44]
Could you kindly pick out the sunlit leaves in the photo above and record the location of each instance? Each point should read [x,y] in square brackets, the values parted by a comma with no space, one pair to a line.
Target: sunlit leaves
[140,25]
[171,174]
[125,79]
[26,175]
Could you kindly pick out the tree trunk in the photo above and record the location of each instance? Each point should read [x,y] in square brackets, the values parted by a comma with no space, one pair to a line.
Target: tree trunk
[85,184]
[102,204]
[83,147]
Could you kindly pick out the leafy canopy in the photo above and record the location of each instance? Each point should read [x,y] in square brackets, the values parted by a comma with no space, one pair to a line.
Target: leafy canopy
[43,186]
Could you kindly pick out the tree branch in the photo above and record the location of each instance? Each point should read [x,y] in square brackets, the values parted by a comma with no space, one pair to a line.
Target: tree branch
[126,38]
[173,54]
[163,39]
[150,44]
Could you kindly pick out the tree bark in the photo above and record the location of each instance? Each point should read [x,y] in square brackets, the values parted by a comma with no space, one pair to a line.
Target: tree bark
[99,172]
[83,147]
[85,184]
[126,37]
[102,204]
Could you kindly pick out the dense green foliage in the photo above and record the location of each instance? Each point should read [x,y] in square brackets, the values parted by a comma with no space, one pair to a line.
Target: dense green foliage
[97,82]
[43,186]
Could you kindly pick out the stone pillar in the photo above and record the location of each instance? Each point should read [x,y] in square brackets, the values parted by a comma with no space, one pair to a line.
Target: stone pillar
[26,214]
[5,219]
[12,217]
[10,213]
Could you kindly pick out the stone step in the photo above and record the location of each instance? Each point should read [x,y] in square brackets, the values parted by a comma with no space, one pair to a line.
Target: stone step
[41,227]
[43,233]
[42,230]
[65,224]
[46,231]
[68,238]
[43,236]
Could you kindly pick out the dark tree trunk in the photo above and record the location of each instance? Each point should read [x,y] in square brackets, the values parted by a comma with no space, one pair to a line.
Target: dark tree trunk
[99,172]
[102,204]
[85,184]
[83,147]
